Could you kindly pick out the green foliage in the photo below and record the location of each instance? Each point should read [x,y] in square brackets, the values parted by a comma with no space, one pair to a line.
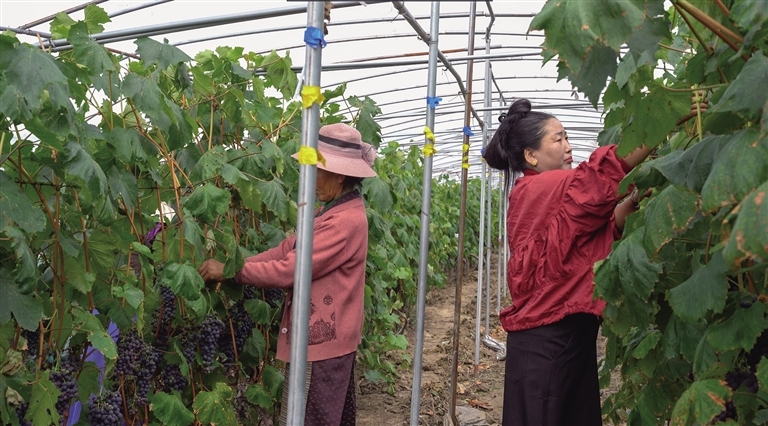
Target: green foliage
[93,147]
[686,286]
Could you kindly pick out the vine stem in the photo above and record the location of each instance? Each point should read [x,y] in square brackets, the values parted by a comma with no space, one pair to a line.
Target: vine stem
[722,7]
[91,306]
[725,34]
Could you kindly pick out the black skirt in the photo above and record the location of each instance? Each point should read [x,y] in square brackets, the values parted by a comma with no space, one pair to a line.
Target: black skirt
[551,374]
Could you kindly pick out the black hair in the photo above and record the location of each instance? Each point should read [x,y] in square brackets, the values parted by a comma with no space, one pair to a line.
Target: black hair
[519,130]
[351,182]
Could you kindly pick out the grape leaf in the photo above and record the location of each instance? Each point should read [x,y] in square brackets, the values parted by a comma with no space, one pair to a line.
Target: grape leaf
[273,196]
[668,214]
[256,394]
[126,144]
[742,167]
[94,17]
[28,73]
[207,202]
[649,341]
[80,163]
[209,165]
[377,193]
[215,407]
[87,51]
[681,338]
[254,349]
[691,167]
[273,380]
[704,290]
[183,280]
[124,186]
[42,404]
[25,309]
[259,311]
[60,25]
[16,207]
[741,96]
[739,331]
[97,335]
[26,264]
[163,54]
[648,119]
[700,402]
[170,409]
[744,241]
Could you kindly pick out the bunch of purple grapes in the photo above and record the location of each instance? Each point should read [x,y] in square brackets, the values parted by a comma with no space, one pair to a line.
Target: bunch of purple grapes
[188,342]
[171,378]
[274,296]
[129,346]
[163,315]
[65,382]
[728,413]
[242,325]
[207,338]
[145,370]
[739,378]
[104,410]
[21,413]
[33,340]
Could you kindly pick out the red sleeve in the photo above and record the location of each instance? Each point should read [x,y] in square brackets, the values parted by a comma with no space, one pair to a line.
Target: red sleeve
[275,267]
[592,193]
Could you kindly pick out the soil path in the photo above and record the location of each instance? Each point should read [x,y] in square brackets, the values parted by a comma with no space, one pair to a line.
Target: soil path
[481,390]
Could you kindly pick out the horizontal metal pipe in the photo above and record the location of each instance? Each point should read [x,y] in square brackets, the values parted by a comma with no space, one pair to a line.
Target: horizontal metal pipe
[25,31]
[66,11]
[298,27]
[139,7]
[192,24]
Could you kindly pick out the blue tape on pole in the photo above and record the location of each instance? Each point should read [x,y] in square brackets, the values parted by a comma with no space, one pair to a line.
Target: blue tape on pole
[482,151]
[314,37]
[468,131]
[432,101]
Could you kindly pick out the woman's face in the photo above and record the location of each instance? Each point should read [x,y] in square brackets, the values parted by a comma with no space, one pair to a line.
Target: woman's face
[329,185]
[554,152]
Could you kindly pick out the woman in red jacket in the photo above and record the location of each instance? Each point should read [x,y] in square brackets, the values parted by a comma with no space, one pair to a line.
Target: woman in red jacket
[560,222]
[340,247]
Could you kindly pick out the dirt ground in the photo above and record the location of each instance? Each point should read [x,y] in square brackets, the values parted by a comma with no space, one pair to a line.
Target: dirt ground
[483,391]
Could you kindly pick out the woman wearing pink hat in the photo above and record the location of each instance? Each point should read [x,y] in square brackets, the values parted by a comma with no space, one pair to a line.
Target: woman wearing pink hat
[340,248]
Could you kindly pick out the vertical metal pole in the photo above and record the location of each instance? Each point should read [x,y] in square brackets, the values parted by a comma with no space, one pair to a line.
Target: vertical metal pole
[500,263]
[426,202]
[462,215]
[488,90]
[480,259]
[310,123]
[506,231]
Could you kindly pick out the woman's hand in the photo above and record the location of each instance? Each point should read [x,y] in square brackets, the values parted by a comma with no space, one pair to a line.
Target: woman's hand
[211,270]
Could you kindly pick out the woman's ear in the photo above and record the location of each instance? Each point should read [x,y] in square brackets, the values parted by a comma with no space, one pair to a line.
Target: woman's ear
[530,156]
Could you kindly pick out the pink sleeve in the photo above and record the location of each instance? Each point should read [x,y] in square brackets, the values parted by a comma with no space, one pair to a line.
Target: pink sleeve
[592,193]
[275,267]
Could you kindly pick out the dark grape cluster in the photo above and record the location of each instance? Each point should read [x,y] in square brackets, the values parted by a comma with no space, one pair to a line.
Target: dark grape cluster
[65,382]
[249,292]
[728,413]
[171,378]
[759,351]
[145,370]
[104,410]
[33,340]
[242,326]
[129,346]
[274,296]
[163,315]
[188,341]
[735,379]
[21,413]
[207,338]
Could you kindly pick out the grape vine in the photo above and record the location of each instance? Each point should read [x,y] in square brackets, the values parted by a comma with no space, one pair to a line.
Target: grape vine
[119,176]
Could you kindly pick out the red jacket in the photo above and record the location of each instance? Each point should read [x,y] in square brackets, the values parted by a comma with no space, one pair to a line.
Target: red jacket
[339,250]
[559,224]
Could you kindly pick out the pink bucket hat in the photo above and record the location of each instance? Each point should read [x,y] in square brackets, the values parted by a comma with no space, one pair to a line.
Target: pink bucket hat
[344,151]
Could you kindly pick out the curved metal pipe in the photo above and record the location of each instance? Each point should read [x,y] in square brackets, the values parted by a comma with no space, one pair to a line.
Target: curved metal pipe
[446,63]
[462,219]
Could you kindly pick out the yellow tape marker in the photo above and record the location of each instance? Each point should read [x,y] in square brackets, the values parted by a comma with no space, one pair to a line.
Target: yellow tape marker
[311,95]
[428,133]
[429,150]
[307,156]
